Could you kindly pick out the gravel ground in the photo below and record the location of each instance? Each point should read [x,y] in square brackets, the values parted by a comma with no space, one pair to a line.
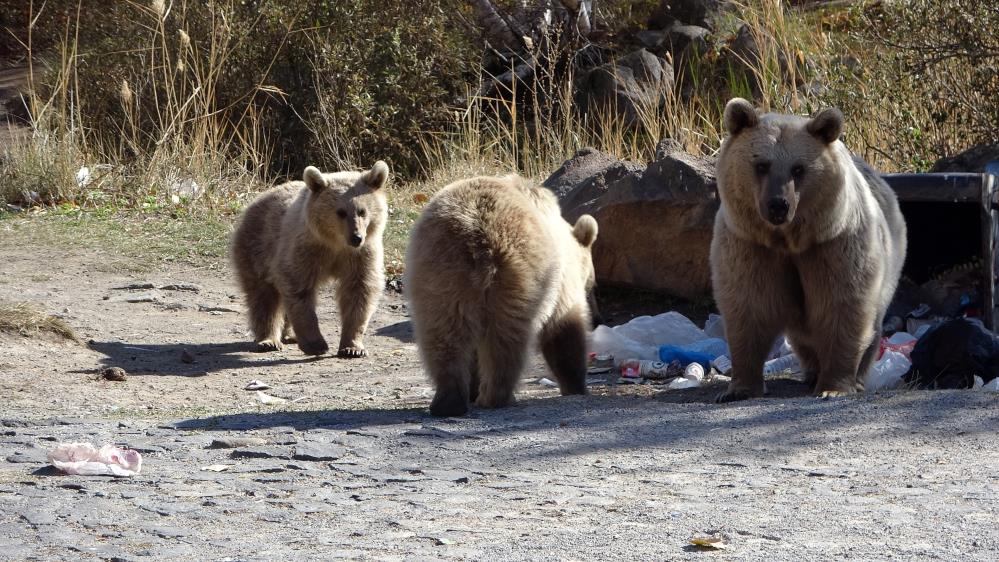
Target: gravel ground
[357,469]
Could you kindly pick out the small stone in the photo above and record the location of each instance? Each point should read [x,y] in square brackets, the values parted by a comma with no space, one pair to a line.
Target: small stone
[236,442]
[113,374]
[186,357]
[312,451]
[260,453]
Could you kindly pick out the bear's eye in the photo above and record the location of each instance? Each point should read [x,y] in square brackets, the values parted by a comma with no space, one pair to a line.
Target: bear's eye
[361,212]
[341,213]
[762,168]
[797,171]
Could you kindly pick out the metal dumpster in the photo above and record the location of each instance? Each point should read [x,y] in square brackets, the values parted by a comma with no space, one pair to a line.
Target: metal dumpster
[952,219]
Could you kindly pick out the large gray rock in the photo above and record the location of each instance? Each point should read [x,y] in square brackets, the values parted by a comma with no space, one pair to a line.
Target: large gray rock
[634,85]
[655,221]
[972,160]
[696,12]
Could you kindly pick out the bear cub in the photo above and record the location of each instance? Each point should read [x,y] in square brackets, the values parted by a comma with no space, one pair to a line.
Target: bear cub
[808,241]
[491,269]
[295,237]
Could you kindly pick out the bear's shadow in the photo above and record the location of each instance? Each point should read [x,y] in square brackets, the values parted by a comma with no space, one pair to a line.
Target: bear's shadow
[191,360]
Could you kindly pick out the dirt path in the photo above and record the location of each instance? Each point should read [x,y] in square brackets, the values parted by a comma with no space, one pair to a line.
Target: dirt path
[357,469]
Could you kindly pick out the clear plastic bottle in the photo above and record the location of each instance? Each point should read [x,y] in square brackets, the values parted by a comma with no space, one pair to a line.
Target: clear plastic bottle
[781,364]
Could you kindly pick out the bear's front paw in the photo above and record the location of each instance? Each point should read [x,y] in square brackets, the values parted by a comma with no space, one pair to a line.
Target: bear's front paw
[269,345]
[735,394]
[352,352]
[315,347]
[448,404]
[832,393]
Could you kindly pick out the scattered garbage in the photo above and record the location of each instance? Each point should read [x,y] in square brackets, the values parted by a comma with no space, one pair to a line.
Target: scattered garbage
[217,467]
[597,364]
[888,372]
[265,398]
[899,342]
[113,374]
[784,363]
[545,381]
[714,541]
[722,364]
[256,385]
[646,369]
[641,337]
[991,386]
[86,460]
[951,354]
[82,176]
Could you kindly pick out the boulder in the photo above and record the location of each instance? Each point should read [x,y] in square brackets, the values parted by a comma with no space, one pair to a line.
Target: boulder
[655,221]
[972,160]
[634,85]
[696,12]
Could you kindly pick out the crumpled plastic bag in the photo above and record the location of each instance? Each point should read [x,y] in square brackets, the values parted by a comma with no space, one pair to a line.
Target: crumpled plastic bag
[86,460]
[641,337]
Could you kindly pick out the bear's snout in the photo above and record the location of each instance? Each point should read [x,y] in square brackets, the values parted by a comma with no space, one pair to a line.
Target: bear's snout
[777,210]
[356,240]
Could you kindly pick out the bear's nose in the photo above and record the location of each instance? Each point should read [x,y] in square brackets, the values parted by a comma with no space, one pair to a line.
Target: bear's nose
[355,240]
[777,209]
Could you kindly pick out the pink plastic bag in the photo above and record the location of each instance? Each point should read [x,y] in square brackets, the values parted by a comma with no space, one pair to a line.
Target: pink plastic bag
[84,459]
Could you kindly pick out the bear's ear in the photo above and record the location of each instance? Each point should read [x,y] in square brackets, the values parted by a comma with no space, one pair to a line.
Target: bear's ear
[826,125]
[314,179]
[739,115]
[377,176]
[585,230]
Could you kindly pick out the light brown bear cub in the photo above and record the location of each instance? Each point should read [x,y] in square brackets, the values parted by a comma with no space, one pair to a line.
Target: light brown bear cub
[295,237]
[809,241]
[492,268]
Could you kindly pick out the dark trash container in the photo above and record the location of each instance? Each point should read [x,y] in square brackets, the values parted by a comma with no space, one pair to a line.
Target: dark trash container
[952,226]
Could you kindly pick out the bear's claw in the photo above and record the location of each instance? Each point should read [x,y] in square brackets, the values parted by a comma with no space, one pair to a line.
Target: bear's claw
[269,345]
[352,352]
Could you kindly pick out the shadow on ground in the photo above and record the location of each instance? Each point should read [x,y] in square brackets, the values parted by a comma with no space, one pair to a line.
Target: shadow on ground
[191,360]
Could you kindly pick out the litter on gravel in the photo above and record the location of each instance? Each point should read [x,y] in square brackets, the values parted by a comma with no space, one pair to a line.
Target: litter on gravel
[86,460]
[256,385]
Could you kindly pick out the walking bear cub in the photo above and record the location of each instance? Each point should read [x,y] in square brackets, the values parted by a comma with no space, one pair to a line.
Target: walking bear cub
[492,268]
[295,237]
[809,241]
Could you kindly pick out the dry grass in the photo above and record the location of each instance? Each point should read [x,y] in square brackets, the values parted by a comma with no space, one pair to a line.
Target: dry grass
[26,320]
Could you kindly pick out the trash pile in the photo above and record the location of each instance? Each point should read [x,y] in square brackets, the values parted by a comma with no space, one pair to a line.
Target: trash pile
[671,350]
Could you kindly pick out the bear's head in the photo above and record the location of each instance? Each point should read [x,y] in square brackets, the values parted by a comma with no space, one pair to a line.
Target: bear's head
[773,165]
[347,208]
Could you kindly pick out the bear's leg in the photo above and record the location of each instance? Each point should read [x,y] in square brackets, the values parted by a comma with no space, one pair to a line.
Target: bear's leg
[288,333]
[263,301]
[502,355]
[301,307]
[867,360]
[357,298]
[446,358]
[749,341]
[807,357]
[850,343]
[564,348]
[474,379]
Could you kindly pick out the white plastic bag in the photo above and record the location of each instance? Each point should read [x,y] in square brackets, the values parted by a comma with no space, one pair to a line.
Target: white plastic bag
[888,371]
[641,337]
[84,459]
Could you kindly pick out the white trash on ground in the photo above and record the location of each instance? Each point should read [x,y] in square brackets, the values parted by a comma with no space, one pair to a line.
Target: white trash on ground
[86,460]
[887,372]
[641,337]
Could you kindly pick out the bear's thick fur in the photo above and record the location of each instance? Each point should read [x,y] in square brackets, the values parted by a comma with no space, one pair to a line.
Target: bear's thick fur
[492,268]
[295,237]
[809,241]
